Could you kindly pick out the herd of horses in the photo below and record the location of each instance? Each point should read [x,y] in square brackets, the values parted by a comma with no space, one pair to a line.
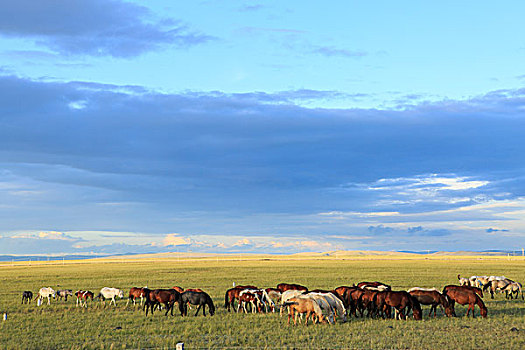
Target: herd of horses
[364,299]
[493,284]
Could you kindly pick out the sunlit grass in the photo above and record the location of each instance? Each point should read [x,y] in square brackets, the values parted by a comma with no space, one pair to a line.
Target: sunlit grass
[62,325]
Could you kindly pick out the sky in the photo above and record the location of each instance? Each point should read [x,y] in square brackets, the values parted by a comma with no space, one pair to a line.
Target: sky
[261,126]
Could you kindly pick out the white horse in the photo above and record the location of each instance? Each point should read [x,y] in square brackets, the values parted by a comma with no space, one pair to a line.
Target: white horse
[327,309]
[46,292]
[287,295]
[111,293]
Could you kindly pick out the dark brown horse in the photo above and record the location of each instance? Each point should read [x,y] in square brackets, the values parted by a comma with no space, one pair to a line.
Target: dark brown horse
[351,298]
[366,300]
[283,287]
[464,297]
[476,290]
[432,297]
[168,297]
[230,296]
[403,303]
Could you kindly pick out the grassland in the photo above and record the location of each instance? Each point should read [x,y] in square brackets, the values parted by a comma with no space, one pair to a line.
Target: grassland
[62,325]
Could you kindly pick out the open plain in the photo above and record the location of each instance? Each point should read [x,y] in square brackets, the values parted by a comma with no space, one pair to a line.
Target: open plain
[63,325]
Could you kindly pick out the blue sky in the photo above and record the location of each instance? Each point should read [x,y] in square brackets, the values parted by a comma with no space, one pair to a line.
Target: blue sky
[261,126]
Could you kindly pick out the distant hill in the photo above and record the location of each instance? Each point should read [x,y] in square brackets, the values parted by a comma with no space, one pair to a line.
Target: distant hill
[337,254]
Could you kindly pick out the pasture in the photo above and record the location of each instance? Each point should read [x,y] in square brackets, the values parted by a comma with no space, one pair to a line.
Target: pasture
[63,325]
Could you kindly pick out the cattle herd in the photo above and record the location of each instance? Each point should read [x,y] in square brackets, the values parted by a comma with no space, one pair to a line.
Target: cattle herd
[365,299]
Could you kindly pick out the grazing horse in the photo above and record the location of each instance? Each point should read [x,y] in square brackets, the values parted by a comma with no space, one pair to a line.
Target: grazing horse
[287,295]
[135,293]
[402,302]
[83,296]
[200,299]
[248,296]
[476,290]
[274,295]
[514,288]
[230,296]
[283,287]
[64,293]
[46,292]
[110,293]
[497,285]
[374,286]
[168,297]
[301,306]
[464,297]
[340,291]
[336,304]
[351,299]
[432,297]
[366,300]
[27,296]
[478,281]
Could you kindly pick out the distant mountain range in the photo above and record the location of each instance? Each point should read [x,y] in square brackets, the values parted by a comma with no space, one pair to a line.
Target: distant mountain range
[15,258]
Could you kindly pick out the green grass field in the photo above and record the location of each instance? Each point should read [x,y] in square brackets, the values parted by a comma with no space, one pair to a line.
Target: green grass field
[62,325]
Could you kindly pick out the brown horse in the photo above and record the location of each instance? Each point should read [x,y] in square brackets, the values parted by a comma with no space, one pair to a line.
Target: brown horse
[230,296]
[464,297]
[352,299]
[432,297]
[135,293]
[83,296]
[301,306]
[403,303]
[283,287]
[367,302]
[168,297]
[382,309]
[178,289]
[476,290]
[249,297]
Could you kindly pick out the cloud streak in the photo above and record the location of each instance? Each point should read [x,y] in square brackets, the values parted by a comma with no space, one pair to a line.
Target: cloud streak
[94,28]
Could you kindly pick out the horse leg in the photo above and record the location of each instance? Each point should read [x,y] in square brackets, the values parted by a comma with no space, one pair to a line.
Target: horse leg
[198,309]
[204,309]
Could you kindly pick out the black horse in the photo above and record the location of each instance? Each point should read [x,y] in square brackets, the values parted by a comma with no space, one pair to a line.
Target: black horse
[27,296]
[200,299]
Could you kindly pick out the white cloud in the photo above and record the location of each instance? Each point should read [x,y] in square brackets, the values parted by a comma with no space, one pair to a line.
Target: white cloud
[174,239]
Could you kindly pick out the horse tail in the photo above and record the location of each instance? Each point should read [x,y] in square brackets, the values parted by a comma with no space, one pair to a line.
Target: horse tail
[227,300]
[288,303]
[486,286]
